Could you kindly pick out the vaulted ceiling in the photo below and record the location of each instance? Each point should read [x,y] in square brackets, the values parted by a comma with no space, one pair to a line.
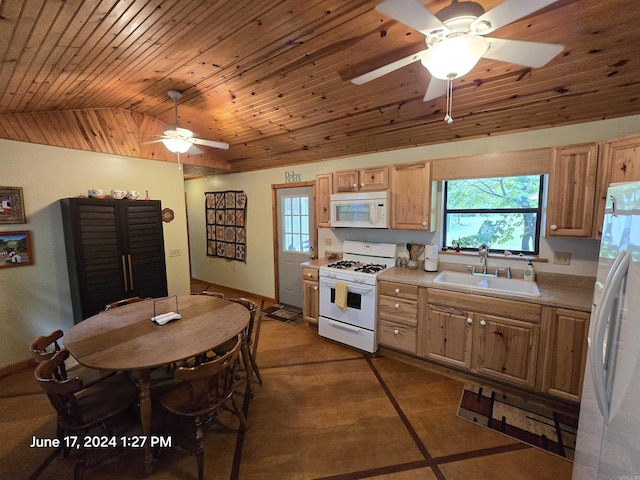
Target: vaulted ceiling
[272,77]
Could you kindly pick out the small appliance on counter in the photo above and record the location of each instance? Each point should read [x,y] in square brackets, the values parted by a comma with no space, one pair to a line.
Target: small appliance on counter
[431,258]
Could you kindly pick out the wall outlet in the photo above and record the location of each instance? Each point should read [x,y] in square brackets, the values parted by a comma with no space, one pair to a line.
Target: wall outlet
[328,242]
[562,258]
[174,253]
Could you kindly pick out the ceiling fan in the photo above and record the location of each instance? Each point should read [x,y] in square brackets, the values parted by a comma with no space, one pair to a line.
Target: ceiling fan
[178,139]
[455,41]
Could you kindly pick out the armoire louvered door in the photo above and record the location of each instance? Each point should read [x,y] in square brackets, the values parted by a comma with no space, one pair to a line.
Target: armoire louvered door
[115,250]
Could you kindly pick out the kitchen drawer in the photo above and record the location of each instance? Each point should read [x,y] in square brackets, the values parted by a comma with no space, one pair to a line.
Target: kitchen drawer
[310,274]
[395,335]
[398,309]
[399,290]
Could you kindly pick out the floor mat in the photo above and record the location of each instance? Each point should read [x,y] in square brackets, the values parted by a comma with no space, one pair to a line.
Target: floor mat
[284,313]
[527,421]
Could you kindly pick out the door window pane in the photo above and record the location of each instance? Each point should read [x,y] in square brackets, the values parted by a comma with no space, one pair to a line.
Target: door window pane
[295,221]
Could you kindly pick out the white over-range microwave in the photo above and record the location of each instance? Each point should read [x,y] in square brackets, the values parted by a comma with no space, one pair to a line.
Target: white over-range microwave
[360,210]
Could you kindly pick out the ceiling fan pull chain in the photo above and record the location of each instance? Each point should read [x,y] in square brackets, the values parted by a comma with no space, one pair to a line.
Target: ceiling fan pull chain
[448,118]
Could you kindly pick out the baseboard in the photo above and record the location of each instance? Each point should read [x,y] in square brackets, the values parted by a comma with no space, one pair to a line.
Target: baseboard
[243,293]
[16,367]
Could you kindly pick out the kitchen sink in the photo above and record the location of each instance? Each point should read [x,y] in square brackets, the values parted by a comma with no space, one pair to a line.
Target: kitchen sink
[493,284]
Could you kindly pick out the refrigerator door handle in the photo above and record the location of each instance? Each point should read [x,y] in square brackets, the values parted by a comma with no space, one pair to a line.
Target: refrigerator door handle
[602,313]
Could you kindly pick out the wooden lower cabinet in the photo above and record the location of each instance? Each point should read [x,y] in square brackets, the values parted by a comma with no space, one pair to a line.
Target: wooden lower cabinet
[480,335]
[398,316]
[565,333]
[526,345]
[448,336]
[310,295]
[506,349]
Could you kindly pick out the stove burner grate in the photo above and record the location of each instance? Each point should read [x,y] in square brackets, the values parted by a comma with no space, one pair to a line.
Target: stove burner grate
[370,268]
[343,264]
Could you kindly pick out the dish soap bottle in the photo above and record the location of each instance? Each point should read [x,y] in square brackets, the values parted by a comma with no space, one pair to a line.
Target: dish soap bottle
[529,272]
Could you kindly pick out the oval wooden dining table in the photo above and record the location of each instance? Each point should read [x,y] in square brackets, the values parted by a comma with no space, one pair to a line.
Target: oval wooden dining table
[125,339]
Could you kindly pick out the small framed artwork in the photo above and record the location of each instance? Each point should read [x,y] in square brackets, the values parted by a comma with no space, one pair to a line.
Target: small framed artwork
[11,205]
[15,249]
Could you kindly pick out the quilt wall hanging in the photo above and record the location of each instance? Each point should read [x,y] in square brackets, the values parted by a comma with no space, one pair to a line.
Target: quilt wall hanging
[226,214]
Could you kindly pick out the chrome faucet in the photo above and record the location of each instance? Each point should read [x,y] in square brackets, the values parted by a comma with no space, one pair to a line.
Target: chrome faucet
[484,253]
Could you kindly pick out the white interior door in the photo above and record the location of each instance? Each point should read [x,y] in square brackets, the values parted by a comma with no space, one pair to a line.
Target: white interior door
[295,240]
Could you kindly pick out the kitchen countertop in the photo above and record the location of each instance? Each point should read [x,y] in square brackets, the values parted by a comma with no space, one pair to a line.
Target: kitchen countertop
[564,291]
[552,293]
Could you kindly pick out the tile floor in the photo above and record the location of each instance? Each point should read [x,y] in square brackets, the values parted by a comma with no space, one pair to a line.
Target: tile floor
[323,412]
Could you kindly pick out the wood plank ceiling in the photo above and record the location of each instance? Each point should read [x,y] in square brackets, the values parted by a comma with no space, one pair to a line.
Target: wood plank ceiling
[271,77]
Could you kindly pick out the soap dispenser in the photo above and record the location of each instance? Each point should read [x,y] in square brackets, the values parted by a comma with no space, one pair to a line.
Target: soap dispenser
[529,272]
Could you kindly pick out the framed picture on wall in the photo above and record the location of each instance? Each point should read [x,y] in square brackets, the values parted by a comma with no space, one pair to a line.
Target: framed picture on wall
[15,249]
[11,205]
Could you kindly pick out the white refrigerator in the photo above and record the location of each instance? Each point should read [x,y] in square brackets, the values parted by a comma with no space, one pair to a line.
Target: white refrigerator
[608,443]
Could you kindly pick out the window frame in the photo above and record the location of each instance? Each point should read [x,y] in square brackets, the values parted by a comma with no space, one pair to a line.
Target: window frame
[538,211]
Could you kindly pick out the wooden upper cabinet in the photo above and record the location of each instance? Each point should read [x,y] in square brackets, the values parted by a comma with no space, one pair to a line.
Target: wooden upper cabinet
[362,180]
[411,197]
[572,191]
[324,189]
[621,163]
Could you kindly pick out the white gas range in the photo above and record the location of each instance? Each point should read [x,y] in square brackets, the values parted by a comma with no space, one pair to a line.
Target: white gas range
[348,293]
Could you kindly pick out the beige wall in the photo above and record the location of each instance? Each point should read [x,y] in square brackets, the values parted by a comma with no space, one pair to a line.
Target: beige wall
[257,275]
[35,299]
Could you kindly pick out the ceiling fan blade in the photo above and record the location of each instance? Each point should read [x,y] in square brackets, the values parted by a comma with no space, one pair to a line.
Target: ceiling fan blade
[437,88]
[390,67]
[507,12]
[150,142]
[413,14]
[528,54]
[209,143]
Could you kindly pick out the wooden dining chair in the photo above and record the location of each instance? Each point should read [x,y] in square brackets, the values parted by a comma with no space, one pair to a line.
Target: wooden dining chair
[252,331]
[213,294]
[82,409]
[205,389]
[123,302]
[44,347]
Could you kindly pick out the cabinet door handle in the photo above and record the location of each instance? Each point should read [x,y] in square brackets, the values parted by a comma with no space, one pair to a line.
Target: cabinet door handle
[469,321]
[483,323]
[124,273]
[424,224]
[130,272]
[396,332]
[397,290]
[554,227]
[309,275]
[315,288]
[397,306]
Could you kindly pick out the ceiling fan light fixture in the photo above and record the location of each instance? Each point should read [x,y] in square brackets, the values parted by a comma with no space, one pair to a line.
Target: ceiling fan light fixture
[176,145]
[455,56]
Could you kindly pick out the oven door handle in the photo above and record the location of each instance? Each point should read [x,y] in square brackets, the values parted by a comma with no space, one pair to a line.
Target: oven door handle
[352,288]
[344,326]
